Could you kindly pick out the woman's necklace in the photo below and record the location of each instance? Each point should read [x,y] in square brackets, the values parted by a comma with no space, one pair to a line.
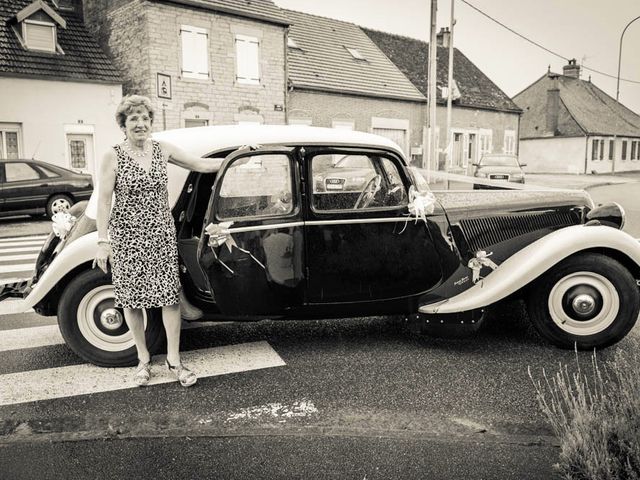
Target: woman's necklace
[137,153]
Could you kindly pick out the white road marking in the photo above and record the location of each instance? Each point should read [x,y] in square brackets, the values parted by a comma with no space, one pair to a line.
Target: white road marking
[30,337]
[86,379]
[22,267]
[32,238]
[13,258]
[49,335]
[274,410]
[21,249]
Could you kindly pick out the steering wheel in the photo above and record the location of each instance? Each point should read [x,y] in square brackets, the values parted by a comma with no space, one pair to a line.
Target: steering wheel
[369,192]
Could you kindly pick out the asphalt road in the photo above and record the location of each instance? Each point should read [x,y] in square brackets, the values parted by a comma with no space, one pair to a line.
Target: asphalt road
[627,195]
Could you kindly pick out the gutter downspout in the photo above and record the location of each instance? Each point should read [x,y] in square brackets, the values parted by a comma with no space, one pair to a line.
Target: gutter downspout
[286,76]
[586,153]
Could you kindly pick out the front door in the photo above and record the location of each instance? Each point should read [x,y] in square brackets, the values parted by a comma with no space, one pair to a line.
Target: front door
[361,245]
[80,151]
[251,249]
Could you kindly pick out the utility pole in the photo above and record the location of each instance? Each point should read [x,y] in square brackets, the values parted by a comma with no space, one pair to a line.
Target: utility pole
[433,51]
[620,57]
[449,154]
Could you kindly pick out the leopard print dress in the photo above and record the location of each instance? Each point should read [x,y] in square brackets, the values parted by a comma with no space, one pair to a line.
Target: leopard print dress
[143,235]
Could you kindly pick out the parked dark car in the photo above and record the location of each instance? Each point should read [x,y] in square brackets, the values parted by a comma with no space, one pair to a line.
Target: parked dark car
[258,240]
[500,168]
[33,187]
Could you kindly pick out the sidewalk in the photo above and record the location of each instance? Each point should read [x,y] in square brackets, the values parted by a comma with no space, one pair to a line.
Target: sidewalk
[580,182]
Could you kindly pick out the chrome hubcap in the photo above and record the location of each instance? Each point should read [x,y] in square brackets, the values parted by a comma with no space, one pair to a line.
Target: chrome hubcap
[111,319]
[584,304]
[60,205]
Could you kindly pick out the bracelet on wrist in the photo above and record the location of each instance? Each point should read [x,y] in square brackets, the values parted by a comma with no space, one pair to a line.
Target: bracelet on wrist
[104,240]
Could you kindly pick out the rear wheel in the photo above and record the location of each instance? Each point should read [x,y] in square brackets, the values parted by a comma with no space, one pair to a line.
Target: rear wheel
[588,300]
[58,203]
[95,329]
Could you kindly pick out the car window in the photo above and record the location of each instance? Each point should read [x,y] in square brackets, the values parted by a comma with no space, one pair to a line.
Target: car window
[256,186]
[49,173]
[355,182]
[16,172]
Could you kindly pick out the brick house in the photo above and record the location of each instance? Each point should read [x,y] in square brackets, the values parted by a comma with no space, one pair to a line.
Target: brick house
[201,62]
[569,125]
[484,119]
[338,78]
[58,89]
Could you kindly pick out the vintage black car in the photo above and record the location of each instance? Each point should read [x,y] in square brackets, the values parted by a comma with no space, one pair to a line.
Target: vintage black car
[34,187]
[262,240]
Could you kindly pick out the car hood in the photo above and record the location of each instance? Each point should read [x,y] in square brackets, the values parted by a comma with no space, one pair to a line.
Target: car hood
[473,204]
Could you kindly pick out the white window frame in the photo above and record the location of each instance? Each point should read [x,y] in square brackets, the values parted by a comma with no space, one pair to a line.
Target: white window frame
[485,141]
[10,127]
[25,23]
[510,142]
[200,72]
[247,77]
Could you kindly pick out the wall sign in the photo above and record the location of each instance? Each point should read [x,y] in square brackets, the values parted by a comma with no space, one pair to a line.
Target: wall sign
[164,86]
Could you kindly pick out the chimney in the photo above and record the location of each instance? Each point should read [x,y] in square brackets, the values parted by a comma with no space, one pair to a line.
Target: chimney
[572,70]
[443,38]
[553,105]
[74,6]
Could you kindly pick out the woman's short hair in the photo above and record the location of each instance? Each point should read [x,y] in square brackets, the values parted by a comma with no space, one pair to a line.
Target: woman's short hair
[129,103]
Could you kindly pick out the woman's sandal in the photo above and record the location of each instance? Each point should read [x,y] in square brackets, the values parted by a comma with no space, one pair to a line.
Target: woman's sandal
[143,374]
[185,376]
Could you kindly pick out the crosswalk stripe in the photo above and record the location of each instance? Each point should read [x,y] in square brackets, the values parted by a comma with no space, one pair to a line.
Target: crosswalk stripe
[86,379]
[40,238]
[6,246]
[23,267]
[49,335]
[35,249]
[13,258]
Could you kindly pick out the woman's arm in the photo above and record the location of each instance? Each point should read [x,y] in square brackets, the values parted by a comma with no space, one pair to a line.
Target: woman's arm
[179,157]
[106,184]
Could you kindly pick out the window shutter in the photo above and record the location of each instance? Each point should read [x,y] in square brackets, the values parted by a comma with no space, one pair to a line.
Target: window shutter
[195,52]
[247,54]
[40,37]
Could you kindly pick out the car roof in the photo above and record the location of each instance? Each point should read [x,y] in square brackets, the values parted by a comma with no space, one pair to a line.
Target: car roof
[205,141]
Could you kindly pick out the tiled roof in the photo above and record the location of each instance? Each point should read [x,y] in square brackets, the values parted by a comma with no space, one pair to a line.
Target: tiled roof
[264,10]
[83,60]
[412,58]
[588,107]
[323,62]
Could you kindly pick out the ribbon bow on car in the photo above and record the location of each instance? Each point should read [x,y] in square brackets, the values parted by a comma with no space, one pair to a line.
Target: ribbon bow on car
[219,234]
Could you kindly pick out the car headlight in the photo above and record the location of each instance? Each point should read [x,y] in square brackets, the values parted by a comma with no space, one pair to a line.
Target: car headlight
[481,174]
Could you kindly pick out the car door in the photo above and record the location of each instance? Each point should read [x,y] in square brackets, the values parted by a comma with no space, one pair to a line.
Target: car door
[361,245]
[255,266]
[22,187]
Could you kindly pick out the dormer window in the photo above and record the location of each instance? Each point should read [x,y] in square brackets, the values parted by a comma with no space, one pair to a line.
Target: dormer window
[36,26]
[39,35]
[355,53]
[291,43]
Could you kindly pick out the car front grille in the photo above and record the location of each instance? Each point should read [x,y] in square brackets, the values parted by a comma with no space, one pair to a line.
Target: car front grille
[483,232]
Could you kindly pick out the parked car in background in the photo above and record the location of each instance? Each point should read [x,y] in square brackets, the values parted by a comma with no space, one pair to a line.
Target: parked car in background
[33,187]
[261,239]
[499,167]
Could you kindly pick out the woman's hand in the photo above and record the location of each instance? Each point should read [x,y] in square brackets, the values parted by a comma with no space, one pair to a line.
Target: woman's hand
[103,255]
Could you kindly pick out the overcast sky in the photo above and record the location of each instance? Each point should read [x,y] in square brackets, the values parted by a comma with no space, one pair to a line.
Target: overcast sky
[588,30]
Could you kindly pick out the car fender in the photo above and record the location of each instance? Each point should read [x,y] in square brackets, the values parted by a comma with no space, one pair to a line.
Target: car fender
[532,261]
[82,250]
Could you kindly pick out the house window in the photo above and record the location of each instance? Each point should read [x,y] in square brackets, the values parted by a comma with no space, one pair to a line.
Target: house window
[594,149]
[611,149]
[9,142]
[624,150]
[601,150]
[39,35]
[510,142]
[195,52]
[355,53]
[77,154]
[485,141]
[633,150]
[247,60]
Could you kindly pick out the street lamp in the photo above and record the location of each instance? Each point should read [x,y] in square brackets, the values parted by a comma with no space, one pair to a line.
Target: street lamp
[620,57]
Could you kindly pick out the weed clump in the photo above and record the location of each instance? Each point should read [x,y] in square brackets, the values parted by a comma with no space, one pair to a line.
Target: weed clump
[596,416]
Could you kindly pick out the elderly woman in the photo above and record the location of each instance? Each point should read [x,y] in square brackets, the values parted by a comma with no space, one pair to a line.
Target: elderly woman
[138,235]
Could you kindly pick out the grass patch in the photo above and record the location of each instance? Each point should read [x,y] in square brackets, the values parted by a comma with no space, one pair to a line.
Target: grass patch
[595,413]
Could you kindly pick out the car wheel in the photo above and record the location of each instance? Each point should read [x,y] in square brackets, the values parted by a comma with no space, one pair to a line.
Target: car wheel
[94,329]
[588,301]
[58,203]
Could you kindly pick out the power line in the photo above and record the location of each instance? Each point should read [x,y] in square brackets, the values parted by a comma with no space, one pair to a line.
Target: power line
[541,46]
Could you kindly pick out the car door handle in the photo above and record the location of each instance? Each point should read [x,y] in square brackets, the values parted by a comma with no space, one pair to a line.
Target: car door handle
[44,185]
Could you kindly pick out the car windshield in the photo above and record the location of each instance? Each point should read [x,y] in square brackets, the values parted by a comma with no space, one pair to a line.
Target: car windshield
[500,161]
[353,161]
